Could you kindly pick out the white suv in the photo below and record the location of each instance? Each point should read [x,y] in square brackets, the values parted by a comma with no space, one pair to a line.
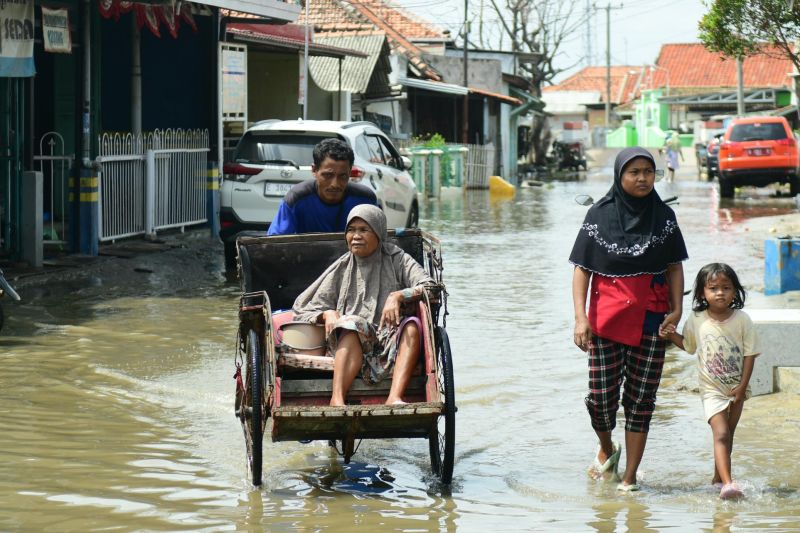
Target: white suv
[273,155]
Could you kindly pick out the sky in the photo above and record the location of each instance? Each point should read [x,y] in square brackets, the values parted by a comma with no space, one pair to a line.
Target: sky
[638,27]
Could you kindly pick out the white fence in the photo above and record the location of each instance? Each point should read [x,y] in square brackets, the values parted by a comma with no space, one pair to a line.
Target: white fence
[151,181]
[55,166]
[480,165]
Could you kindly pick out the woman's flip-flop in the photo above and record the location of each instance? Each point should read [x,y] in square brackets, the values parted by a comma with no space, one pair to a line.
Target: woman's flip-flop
[633,487]
[610,464]
[730,491]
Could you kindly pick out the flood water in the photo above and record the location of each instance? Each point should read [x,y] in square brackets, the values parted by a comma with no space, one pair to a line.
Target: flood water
[116,394]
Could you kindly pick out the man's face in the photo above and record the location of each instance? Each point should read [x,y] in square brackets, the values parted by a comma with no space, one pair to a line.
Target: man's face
[332,177]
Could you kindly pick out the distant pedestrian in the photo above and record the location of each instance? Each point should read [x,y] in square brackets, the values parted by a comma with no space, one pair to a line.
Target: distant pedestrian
[726,344]
[672,144]
[628,256]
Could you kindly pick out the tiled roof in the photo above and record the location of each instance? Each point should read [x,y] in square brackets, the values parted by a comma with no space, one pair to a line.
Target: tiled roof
[626,82]
[326,16]
[691,65]
[338,16]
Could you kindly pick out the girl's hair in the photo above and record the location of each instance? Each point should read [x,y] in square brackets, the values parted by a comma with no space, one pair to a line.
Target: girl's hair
[710,271]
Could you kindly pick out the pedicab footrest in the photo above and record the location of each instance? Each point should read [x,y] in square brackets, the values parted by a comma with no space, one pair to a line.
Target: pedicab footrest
[352,411]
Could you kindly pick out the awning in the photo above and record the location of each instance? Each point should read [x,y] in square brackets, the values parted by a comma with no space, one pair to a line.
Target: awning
[356,72]
[272,9]
[456,90]
[262,34]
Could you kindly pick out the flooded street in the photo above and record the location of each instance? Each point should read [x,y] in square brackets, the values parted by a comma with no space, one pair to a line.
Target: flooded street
[117,397]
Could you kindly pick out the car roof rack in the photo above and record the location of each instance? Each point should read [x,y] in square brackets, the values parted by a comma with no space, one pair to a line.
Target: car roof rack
[265,122]
[359,123]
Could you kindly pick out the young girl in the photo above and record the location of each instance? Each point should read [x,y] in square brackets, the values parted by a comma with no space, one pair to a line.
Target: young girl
[726,345]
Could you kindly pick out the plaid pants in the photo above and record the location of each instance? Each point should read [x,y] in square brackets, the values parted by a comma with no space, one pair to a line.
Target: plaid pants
[640,366]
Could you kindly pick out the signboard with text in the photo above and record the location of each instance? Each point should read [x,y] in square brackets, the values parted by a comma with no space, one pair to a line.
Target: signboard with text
[55,30]
[16,39]
[233,69]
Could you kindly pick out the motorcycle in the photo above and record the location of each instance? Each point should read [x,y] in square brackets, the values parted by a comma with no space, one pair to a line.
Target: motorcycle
[6,289]
[569,155]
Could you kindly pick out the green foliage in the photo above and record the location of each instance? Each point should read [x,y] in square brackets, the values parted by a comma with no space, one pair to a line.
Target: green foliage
[739,28]
[435,141]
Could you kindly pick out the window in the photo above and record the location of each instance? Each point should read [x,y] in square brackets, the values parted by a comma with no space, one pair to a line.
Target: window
[265,146]
[375,153]
[764,131]
[391,155]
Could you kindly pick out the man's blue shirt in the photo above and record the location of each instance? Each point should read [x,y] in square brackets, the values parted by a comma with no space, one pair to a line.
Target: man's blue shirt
[303,211]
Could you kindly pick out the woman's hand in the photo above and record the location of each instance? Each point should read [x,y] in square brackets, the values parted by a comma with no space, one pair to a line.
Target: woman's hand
[583,333]
[670,322]
[391,310]
[329,318]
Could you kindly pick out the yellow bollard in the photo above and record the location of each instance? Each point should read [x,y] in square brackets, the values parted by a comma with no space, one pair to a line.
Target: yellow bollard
[498,185]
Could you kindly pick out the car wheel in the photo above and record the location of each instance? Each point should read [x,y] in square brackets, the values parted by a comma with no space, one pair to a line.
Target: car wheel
[230,255]
[794,185]
[413,216]
[726,188]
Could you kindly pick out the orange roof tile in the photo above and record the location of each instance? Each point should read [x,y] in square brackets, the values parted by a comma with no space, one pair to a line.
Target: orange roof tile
[326,15]
[692,65]
[626,82]
[337,16]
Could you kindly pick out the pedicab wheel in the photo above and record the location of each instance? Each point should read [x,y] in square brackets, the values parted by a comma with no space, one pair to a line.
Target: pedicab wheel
[442,438]
[253,416]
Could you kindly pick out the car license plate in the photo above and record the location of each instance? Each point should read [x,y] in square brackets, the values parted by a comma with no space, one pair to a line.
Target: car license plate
[758,151]
[272,188]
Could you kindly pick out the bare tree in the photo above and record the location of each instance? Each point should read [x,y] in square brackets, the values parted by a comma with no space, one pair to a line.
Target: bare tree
[540,27]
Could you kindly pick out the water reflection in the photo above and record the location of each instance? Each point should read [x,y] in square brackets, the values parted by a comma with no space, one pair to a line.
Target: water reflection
[117,399]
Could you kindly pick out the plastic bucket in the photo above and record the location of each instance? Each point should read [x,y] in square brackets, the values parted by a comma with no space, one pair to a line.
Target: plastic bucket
[303,337]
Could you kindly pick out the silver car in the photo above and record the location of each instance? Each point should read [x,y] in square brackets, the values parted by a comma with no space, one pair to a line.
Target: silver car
[274,155]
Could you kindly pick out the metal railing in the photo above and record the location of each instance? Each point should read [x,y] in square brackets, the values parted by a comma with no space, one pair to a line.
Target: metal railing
[479,164]
[151,181]
[55,167]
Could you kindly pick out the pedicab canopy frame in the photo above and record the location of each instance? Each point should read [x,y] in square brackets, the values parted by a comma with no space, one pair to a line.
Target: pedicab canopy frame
[293,389]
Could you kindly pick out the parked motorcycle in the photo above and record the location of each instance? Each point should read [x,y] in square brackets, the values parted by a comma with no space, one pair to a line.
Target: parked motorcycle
[6,289]
[569,155]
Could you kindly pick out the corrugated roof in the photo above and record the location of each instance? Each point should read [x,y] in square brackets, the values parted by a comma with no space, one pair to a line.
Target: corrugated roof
[456,90]
[259,34]
[356,71]
[692,65]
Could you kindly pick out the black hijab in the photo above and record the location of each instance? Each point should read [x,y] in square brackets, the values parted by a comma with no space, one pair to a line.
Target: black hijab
[626,236]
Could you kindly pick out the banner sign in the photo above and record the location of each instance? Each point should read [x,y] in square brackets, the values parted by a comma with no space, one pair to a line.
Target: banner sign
[55,30]
[233,67]
[16,39]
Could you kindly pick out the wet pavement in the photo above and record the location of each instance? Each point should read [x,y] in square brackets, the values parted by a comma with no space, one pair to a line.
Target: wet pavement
[117,394]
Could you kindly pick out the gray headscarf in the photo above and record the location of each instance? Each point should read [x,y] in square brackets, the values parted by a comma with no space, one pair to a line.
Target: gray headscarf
[355,285]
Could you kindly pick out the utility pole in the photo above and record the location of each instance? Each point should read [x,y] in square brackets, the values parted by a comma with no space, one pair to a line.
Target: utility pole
[608,9]
[739,87]
[305,66]
[589,9]
[465,112]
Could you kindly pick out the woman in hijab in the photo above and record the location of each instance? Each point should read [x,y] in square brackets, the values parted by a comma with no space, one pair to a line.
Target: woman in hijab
[628,255]
[363,299]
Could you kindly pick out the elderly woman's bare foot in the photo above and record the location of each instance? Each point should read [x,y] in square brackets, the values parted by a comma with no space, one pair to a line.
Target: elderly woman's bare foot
[335,402]
[395,401]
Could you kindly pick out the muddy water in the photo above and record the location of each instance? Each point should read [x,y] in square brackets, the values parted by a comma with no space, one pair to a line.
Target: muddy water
[116,399]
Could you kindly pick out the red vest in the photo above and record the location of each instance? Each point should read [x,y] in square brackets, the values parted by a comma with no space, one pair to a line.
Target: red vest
[617,306]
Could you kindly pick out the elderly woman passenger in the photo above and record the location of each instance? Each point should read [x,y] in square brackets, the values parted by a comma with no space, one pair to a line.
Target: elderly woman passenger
[362,300]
